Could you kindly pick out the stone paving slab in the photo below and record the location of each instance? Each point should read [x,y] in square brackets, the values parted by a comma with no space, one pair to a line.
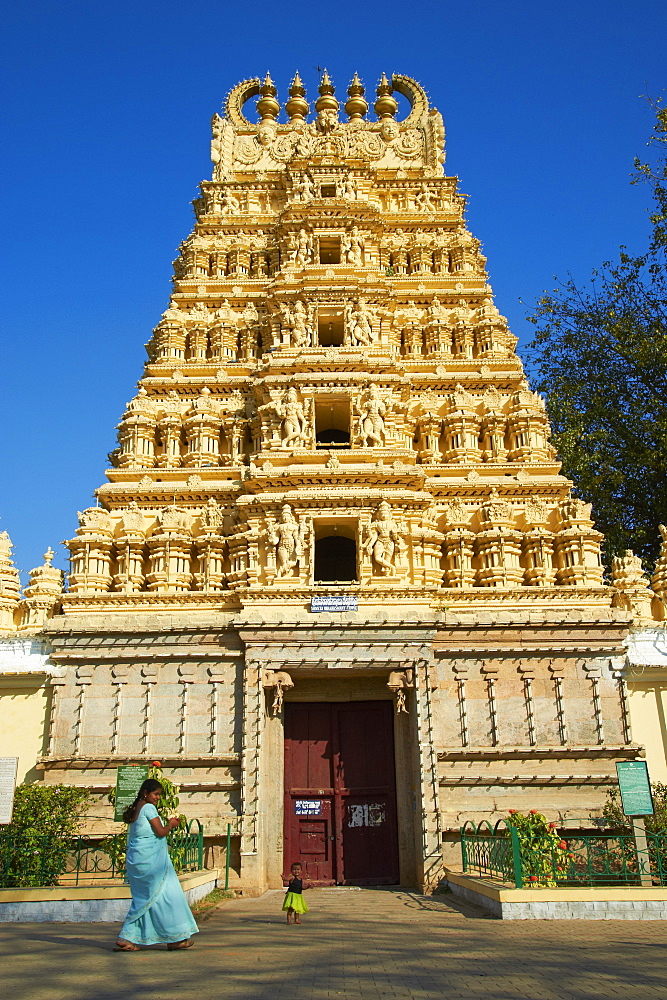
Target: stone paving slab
[370,944]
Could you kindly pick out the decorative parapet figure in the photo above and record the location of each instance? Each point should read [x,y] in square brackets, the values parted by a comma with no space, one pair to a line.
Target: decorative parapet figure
[385,540]
[10,585]
[42,595]
[372,412]
[287,536]
[632,586]
[659,578]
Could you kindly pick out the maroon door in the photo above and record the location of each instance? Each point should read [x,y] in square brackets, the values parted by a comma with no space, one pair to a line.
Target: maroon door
[340,792]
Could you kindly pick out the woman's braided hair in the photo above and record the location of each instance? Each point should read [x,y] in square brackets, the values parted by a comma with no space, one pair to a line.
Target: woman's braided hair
[149,785]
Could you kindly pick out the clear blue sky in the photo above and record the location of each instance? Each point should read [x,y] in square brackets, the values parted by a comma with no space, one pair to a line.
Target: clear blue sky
[107,134]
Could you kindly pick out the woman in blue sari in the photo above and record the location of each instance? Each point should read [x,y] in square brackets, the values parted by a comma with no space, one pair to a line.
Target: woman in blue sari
[159,913]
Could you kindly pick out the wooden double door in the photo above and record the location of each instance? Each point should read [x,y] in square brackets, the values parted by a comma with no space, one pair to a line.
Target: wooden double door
[340,792]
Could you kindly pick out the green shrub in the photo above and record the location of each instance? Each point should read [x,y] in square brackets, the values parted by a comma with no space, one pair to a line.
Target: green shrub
[35,846]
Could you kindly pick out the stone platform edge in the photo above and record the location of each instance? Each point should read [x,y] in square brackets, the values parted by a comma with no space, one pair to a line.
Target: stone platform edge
[610,903]
[88,903]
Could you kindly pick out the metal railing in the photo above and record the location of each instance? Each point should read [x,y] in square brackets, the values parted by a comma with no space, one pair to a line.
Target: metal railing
[607,858]
[32,860]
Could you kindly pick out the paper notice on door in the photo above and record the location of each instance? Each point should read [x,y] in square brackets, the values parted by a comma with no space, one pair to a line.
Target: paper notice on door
[366,814]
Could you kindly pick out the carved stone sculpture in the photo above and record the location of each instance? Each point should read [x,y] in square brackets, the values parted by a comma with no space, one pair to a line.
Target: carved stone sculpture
[384,540]
[372,418]
[287,538]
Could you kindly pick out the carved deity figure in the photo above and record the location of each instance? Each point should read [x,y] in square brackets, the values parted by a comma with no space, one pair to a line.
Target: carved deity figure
[384,539]
[350,188]
[303,250]
[359,331]
[299,321]
[353,248]
[294,422]
[435,312]
[213,515]
[373,412]
[287,536]
[424,200]
[326,121]
[229,202]
[304,188]
[223,313]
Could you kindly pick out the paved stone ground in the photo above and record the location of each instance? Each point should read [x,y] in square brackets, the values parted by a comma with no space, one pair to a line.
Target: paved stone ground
[353,944]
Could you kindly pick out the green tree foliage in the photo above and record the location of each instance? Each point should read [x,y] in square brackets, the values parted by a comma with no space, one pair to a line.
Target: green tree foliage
[657,823]
[35,846]
[600,356]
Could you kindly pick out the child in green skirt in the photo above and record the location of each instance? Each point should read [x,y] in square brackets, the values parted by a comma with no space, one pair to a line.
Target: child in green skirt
[294,902]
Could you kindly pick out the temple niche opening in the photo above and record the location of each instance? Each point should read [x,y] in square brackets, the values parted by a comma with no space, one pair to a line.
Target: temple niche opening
[334,529]
[335,554]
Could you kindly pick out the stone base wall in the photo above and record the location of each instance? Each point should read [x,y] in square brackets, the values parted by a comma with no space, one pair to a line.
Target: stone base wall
[86,905]
[561,904]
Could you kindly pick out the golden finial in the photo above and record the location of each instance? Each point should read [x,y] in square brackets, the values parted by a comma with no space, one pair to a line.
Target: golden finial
[48,556]
[267,106]
[386,105]
[356,107]
[297,107]
[326,101]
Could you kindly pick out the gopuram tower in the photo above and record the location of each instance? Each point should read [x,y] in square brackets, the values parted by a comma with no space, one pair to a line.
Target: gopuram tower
[336,583]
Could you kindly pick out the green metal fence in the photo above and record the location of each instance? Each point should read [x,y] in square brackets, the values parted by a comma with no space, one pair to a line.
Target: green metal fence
[31,859]
[607,858]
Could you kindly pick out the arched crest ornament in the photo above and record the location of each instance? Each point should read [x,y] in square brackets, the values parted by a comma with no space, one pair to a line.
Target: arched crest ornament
[238,143]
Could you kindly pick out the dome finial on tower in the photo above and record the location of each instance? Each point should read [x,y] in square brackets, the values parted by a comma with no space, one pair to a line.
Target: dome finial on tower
[386,105]
[267,106]
[326,104]
[356,107]
[297,107]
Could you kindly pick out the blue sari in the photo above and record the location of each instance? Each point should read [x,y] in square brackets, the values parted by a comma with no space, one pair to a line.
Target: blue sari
[159,913]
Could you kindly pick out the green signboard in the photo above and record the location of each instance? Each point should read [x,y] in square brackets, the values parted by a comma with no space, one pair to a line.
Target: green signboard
[635,788]
[128,782]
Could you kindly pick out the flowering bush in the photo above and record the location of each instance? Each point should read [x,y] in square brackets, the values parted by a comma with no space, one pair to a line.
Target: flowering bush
[543,851]
[35,846]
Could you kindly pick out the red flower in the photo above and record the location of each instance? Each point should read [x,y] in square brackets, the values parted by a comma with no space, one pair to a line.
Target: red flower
[533,812]
[552,826]
[533,878]
[512,811]
[156,763]
[562,844]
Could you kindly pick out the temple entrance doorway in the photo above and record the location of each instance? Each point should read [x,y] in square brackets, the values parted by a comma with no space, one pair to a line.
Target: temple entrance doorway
[340,792]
